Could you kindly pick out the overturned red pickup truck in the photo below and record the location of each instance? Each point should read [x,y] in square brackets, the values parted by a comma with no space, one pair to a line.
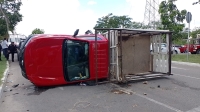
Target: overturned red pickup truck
[48,60]
[118,55]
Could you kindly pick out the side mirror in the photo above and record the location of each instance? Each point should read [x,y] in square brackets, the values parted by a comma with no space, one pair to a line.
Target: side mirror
[76,33]
[88,32]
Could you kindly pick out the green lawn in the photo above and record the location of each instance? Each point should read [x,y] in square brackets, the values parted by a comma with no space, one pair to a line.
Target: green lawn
[2,67]
[193,58]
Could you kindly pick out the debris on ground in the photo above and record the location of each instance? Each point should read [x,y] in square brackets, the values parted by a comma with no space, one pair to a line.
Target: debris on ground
[14,86]
[61,88]
[158,86]
[135,105]
[145,93]
[15,93]
[82,84]
[145,82]
[7,90]
[9,81]
[152,87]
[120,91]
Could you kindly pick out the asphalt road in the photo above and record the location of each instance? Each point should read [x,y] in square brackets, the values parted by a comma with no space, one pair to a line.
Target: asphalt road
[177,93]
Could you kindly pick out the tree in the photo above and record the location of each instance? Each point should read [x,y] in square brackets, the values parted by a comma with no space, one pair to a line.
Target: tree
[172,18]
[196,2]
[195,32]
[9,15]
[38,31]
[112,21]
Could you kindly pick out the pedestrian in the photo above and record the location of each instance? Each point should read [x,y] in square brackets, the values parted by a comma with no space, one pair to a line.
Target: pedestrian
[12,49]
[4,45]
[0,51]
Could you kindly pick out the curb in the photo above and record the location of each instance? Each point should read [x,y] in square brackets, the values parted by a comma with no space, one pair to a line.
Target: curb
[4,79]
[186,63]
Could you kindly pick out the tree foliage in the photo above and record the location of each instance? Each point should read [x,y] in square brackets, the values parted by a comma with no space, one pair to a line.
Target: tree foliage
[113,21]
[198,2]
[38,31]
[194,33]
[172,18]
[9,15]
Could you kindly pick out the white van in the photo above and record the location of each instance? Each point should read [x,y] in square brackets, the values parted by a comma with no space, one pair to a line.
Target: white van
[164,48]
[16,38]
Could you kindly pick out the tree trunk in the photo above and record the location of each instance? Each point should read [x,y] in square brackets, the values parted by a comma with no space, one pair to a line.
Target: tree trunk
[6,19]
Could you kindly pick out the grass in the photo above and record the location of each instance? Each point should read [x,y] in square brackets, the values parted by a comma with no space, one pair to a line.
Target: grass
[192,58]
[2,67]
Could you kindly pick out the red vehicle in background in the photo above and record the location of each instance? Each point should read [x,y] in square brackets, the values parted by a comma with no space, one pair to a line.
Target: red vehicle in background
[182,48]
[48,60]
[194,48]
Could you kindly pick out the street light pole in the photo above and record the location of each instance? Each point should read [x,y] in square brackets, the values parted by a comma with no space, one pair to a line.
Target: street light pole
[188,19]
[188,40]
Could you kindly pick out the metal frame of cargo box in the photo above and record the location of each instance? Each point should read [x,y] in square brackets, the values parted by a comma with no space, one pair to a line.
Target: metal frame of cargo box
[155,34]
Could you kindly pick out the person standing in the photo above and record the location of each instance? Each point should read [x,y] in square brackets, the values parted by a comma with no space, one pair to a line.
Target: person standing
[4,45]
[0,51]
[12,49]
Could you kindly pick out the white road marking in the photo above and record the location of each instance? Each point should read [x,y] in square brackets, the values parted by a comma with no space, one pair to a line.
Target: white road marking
[188,76]
[179,68]
[159,103]
[194,110]
[150,99]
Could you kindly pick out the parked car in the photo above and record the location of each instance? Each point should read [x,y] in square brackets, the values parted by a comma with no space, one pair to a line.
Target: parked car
[175,50]
[193,48]
[182,48]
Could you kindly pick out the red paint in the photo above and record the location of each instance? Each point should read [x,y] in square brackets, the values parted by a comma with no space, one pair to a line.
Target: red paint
[43,59]
[193,48]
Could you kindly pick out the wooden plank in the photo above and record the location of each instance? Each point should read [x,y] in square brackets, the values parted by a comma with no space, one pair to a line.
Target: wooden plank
[154,55]
[167,58]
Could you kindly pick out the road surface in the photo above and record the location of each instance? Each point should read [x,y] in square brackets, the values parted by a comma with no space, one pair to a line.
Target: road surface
[177,93]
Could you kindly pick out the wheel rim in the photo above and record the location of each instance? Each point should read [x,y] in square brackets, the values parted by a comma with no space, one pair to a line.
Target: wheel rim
[198,52]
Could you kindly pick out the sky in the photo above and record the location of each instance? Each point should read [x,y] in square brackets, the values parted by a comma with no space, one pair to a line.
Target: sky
[65,16]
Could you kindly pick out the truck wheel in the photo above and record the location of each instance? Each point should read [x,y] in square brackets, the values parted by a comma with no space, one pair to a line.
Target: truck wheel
[198,51]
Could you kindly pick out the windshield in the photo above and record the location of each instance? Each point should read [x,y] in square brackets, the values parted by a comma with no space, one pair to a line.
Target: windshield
[76,60]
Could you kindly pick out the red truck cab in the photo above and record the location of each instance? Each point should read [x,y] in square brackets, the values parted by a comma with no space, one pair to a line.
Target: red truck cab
[48,60]
[193,48]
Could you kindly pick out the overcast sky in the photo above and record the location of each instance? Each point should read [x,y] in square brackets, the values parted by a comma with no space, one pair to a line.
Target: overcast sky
[65,16]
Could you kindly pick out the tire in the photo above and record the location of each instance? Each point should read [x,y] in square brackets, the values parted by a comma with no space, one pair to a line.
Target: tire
[198,51]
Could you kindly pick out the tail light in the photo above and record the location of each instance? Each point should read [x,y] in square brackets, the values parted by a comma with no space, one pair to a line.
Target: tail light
[183,46]
[194,46]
